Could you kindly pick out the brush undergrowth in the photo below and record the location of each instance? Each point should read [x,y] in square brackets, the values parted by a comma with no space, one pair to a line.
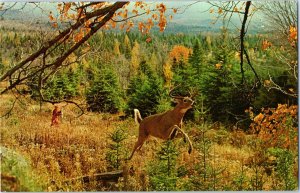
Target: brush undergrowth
[96,143]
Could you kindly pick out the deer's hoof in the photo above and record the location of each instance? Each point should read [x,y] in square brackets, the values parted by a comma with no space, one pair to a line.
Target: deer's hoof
[190,151]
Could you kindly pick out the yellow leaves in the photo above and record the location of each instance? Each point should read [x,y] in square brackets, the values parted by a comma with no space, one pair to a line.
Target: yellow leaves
[135,11]
[67,7]
[293,35]
[125,14]
[167,70]
[291,90]
[141,26]
[135,58]
[267,83]
[218,66]
[273,126]
[266,44]
[140,4]
[117,48]
[51,16]
[174,10]
[154,16]
[53,20]
[235,9]
[162,23]
[211,11]
[54,25]
[78,36]
[161,7]
[258,118]
[113,24]
[150,22]
[220,11]
[130,25]
[180,53]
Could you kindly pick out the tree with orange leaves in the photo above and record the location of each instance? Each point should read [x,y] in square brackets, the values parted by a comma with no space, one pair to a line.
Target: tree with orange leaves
[84,19]
[180,53]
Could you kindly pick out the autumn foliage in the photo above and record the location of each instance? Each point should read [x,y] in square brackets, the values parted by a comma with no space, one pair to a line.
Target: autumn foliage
[266,44]
[180,53]
[277,127]
[293,35]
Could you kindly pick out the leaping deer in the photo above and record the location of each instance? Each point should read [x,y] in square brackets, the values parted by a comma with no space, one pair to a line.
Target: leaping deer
[164,125]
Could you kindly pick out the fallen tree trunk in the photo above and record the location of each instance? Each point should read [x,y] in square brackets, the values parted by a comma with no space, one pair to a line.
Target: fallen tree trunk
[107,176]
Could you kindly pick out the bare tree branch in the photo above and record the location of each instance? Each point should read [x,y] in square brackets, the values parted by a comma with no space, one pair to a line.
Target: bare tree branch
[242,35]
[107,12]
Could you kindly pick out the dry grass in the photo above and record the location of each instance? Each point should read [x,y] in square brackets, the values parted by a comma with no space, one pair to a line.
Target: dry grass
[78,147]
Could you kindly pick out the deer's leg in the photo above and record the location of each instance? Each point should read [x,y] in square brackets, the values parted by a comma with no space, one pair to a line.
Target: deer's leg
[186,137]
[138,144]
[174,133]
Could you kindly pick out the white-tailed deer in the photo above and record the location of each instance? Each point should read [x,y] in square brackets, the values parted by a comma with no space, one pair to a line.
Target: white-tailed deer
[164,125]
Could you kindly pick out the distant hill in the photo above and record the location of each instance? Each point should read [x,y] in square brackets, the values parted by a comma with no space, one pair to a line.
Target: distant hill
[193,20]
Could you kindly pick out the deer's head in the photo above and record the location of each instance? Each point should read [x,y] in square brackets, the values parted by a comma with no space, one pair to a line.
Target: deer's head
[183,102]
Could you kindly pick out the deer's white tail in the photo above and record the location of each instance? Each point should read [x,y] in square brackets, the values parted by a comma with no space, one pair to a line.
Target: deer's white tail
[137,116]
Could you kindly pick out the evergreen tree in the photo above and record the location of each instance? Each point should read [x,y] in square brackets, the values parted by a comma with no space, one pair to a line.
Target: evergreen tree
[117,48]
[63,85]
[144,92]
[104,93]
[116,152]
[135,58]
[197,57]
[127,47]
[163,173]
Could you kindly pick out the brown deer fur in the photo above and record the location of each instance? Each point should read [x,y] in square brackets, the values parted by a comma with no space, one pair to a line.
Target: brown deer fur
[164,125]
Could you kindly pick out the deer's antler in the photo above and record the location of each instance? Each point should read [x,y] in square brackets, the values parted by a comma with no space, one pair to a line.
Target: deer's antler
[174,96]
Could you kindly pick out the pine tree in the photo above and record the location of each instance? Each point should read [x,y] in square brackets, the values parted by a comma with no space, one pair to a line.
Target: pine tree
[197,57]
[117,48]
[144,92]
[135,58]
[163,173]
[127,47]
[116,152]
[104,93]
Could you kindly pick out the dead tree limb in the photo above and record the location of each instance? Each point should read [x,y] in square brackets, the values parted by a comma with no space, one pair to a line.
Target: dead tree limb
[242,37]
[107,13]
[107,176]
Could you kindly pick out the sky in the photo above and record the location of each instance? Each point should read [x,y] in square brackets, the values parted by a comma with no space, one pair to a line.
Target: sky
[190,12]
